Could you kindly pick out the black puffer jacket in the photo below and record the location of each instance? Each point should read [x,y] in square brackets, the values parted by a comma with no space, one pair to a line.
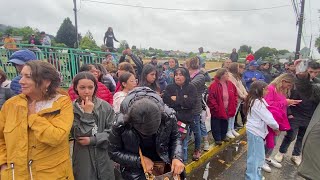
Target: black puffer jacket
[186,99]
[124,140]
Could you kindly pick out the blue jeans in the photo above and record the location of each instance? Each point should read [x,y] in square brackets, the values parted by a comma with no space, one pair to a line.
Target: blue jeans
[203,129]
[232,119]
[255,157]
[195,128]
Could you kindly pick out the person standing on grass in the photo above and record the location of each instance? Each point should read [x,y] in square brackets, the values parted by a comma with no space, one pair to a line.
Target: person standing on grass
[258,119]
[234,55]
[222,101]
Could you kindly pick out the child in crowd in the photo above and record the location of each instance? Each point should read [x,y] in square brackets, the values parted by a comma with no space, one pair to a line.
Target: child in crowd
[128,82]
[93,119]
[149,78]
[258,118]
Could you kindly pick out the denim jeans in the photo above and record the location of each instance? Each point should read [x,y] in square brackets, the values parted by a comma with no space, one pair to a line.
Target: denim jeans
[219,128]
[203,129]
[195,128]
[290,136]
[232,119]
[255,157]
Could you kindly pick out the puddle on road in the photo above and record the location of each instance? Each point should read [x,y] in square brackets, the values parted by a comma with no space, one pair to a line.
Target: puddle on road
[219,162]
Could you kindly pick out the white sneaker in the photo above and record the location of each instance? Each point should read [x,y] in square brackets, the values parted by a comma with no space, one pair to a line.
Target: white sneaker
[235,133]
[274,163]
[263,178]
[230,135]
[279,157]
[206,146]
[296,160]
[266,168]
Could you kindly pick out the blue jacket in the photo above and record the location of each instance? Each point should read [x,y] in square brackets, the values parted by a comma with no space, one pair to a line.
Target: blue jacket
[15,86]
[248,75]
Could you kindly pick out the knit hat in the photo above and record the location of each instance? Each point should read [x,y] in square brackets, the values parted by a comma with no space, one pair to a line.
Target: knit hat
[22,56]
[145,116]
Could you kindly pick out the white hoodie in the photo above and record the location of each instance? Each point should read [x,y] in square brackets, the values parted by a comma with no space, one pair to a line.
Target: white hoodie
[259,118]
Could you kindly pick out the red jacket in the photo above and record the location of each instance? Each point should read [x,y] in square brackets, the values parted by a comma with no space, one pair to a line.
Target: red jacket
[118,87]
[215,100]
[250,57]
[102,93]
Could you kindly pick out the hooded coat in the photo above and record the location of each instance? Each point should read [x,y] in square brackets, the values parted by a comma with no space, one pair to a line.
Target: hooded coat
[36,145]
[92,161]
[124,140]
[185,99]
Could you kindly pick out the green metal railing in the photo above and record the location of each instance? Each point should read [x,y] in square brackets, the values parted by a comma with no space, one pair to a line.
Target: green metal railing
[66,60]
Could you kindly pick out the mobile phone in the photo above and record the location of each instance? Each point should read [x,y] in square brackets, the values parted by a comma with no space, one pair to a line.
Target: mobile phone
[302,66]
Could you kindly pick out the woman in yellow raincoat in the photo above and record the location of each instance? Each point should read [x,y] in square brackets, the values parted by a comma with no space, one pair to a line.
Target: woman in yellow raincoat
[34,128]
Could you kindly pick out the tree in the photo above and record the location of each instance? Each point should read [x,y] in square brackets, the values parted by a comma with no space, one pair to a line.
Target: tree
[87,42]
[25,32]
[123,46]
[134,47]
[265,52]
[283,51]
[245,48]
[67,33]
[317,44]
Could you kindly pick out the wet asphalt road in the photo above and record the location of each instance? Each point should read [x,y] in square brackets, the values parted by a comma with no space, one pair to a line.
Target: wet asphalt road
[230,164]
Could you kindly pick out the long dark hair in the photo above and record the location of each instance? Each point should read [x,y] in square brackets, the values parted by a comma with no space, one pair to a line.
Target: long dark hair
[85,75]
[102,70]
[255,92]
[147,69]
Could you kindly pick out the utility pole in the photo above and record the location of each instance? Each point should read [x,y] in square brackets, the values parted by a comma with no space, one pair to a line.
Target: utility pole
[310,46]
[76,21]
[300,30]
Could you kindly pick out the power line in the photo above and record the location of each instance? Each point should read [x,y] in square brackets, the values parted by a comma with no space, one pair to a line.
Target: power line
[187,10]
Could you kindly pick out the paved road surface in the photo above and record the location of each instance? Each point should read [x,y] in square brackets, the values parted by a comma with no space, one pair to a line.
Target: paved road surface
[231,165]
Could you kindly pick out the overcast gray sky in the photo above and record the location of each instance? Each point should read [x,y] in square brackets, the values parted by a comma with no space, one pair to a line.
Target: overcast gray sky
[177,30]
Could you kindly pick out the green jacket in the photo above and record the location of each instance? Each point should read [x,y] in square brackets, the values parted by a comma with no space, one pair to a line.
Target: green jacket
[310,165]
[92,161]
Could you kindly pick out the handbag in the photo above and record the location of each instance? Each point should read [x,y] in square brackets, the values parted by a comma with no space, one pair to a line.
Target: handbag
[160,171]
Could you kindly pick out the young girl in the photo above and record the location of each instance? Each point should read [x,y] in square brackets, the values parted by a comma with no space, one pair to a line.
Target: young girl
[93,119]
[149,78]
[258,118]
[128,82]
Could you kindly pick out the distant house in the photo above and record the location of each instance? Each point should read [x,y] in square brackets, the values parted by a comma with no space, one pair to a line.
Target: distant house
[286,57]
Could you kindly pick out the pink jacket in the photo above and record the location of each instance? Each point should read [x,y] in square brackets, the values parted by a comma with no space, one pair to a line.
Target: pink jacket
[278,107]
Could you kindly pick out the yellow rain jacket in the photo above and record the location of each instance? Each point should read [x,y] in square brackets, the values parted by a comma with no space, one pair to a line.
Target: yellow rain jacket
[36,146]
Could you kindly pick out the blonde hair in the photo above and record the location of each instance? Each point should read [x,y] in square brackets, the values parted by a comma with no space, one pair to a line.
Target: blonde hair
[193,63]
[277,82]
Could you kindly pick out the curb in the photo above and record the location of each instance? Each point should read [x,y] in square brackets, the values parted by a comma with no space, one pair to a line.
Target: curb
[212,151]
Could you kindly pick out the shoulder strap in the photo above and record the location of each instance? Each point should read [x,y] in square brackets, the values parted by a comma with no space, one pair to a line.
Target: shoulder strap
[143,165]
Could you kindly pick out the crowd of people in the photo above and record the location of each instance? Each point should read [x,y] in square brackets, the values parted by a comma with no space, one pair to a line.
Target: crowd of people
[134,121]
